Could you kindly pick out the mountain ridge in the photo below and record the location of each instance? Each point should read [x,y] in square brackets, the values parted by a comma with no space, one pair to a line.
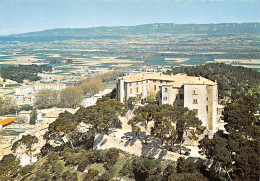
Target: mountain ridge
[156,26]
[144,29]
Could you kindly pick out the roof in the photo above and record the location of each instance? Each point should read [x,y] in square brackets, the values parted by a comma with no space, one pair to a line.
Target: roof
[7,98]
[25,112]
[37,83]
[28,96]
[52,115]
[25,87]
[181,79]
[146,76]
[175,80]
[7,121]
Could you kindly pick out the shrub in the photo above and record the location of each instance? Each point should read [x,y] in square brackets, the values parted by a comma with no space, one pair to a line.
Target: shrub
[27,169]
[170,169]
[92,172]
[53,158]
[89,158]
[111,156]
[127,169]
[72,158]
[45,149]
[43,175]
[144,168]
[187,176]
[83,164]
[183,166]
[68,176]
[104,177]
[58,169]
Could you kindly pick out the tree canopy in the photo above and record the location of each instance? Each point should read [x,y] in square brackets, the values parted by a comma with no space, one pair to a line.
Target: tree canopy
[46,99]
[238,152]
[63,128]
[8,167]
[171,123]
[71,97]
[103,116]
[33,117]
[28,141]
[21,72]
[231,79]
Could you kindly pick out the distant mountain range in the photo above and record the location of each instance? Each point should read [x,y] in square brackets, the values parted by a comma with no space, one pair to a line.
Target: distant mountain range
[147,29]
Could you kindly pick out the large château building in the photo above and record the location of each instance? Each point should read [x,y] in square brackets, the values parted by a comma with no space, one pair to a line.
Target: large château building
[197,93]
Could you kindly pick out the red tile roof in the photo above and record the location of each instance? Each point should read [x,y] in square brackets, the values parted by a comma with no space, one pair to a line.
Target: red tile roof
[6,121]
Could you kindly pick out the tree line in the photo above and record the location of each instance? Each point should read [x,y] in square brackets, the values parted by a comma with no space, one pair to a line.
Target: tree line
[20,73]
[230,79]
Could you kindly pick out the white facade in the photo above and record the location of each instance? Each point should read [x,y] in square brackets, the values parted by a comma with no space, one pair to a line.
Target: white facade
[91,101]
[197,93]
[37,87]
[25,95]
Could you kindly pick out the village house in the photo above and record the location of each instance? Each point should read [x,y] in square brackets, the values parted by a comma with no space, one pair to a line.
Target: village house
[6,122]
[26,94]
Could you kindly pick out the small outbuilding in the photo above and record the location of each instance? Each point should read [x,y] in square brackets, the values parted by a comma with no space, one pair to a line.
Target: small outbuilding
[6,122]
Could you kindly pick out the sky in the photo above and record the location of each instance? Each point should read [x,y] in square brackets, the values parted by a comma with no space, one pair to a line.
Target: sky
[20,16]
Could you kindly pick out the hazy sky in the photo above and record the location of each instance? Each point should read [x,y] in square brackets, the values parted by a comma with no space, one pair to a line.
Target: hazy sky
[17,16]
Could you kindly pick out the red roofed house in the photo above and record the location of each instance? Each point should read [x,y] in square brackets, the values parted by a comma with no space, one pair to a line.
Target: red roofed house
[6,122]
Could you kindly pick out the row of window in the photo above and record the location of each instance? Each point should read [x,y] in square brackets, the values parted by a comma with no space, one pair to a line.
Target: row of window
[136,90]
[166,90]
[154,81]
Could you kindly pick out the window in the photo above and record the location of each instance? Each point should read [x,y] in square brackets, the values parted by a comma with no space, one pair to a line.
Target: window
[165,98]
[154,81]
[154,87]
[131,91]
[147,81]
[130,84]
[136,89]
[195,101]
[195,111]
[181,96]
[160,81]
[207,108]
[166,89]
[136,83]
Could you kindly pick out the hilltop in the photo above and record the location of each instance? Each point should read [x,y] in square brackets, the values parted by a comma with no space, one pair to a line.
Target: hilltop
[146,29]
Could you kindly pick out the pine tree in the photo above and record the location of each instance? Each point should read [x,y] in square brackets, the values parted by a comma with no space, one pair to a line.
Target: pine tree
[33,117]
